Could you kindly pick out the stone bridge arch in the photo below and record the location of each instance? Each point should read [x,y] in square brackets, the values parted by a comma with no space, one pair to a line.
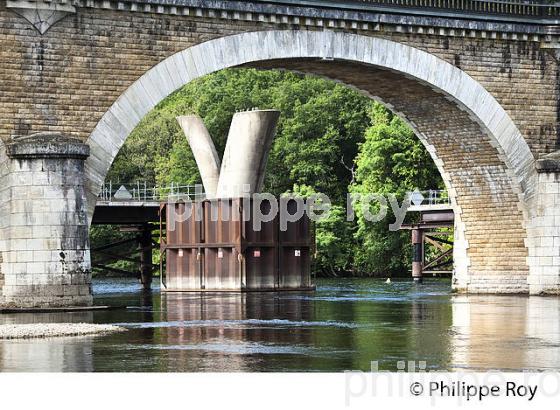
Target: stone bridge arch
[485,161]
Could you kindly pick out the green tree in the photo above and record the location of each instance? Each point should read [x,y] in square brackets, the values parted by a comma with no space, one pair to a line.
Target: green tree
[391,161]
[333,238]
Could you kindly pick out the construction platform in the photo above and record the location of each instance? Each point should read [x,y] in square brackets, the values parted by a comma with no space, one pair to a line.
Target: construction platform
[221,251]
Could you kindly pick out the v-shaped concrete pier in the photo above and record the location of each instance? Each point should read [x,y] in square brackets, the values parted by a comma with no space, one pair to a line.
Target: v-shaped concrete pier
[245,157]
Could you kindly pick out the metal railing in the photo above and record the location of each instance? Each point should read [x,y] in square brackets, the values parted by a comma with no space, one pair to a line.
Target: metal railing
[505,7]
[429,198]
[517,8]
[142,192]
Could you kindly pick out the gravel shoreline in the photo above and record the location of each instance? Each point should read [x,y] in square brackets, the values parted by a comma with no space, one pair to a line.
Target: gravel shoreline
[40,330]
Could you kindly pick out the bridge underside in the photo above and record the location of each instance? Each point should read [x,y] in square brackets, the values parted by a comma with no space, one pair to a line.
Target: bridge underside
[107,213]
[490,252]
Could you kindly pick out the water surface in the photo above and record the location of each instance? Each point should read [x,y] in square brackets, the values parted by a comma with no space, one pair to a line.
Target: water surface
[345,325]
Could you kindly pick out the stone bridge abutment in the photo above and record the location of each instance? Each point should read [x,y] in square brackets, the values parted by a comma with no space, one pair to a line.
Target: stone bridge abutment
[482,98]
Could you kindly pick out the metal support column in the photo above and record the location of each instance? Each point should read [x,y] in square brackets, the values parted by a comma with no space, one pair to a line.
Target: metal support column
[417,255]
[146,267]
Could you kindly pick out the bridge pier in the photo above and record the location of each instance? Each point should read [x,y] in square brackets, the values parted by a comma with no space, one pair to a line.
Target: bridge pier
[543,232]
[44,256]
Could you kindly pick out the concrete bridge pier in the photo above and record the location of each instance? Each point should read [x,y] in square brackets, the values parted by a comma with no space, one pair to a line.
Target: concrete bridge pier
[44,252]
[204,152]
[242,170]
[246,154]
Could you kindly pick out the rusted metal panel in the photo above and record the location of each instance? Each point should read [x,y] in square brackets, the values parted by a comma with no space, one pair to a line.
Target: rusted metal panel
[217,248]
[261,268]
[172,235]
[190,232]
[295,267]
[183,269]
[221,269]
[183,231]
[222,222]
[265,234]
[297,233]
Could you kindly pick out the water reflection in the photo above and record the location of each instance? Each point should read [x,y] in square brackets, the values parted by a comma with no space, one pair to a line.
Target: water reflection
[234,332]
[345,325]
[507,332]
[47,355]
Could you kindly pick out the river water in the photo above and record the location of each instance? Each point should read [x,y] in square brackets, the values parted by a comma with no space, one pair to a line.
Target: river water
[345,325]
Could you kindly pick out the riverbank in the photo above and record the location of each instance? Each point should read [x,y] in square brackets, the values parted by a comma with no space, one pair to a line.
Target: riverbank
[42,330]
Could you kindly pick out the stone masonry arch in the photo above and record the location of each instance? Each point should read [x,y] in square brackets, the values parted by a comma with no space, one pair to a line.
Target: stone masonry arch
[485,161]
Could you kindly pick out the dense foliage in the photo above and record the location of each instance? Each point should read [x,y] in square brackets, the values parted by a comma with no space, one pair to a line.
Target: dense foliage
[330,139]
[391,160]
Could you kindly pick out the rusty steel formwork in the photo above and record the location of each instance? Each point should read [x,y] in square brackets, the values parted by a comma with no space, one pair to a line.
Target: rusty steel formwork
[216,248]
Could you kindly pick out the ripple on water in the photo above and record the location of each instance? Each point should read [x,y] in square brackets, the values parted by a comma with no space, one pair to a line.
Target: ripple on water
[243,348]
[245,323]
